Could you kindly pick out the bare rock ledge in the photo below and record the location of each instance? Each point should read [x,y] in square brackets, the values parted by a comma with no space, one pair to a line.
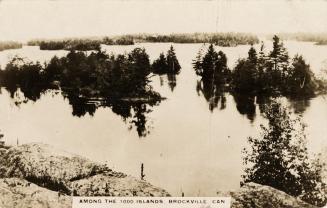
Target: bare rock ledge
[38,175]
[69,174]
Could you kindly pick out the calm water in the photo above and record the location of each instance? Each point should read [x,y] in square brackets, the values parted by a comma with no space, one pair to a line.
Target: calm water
[189,148]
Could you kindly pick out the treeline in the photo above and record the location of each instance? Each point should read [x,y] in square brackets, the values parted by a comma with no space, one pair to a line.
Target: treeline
[268,74]
[318,38]
[5,45]
[79,44]
[221,39]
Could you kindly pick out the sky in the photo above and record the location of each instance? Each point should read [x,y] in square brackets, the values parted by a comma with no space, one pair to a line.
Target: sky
[28,19]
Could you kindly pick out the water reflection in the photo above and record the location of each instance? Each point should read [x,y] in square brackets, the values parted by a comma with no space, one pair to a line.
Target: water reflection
[81,105]
[132,112]
[262,76]
[214,94]
[172,82]
[170,79]
[135,113]
[245,105]
[88,81]
[299,105]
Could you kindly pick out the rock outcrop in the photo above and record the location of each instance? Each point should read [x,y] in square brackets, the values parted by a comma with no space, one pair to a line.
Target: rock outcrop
[69,174]
[19,193]
[42,176]
[253,195]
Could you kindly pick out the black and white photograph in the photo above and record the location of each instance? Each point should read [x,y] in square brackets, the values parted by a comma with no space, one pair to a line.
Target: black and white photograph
[163,98]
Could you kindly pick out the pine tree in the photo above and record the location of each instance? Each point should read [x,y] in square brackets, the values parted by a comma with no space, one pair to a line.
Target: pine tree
[172,62]
[209,63]
[245,74]
[168,64]
[278,63]
[197,63]
[252,56]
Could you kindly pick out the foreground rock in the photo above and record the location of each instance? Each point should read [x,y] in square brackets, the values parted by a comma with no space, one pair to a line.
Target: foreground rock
[19,193]
[40,176]
[69,174]
[253,195]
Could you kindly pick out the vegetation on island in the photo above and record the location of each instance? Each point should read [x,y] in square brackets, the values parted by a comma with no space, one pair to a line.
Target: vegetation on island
[274,73]
[79,44]
[318,38]
[89,81]
[279,157]
[259,75]
[166,64]
[220,39]
[5,45]
[213,69]
[83,44]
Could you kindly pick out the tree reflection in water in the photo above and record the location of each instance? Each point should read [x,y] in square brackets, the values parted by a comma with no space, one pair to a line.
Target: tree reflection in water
[213,94]
[89,81]
[256,78]
[245,105]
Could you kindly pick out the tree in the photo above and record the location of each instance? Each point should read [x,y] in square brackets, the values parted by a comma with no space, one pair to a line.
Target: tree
[261,67]
[209,64]
[244,80]
[222,72]
[160,65]
[172,62]
[197,63]
[273,74]
[215,76]
[166,64]
[252,56]
[301,78]
[279,157]
[245,74]
[278,63]
[138,69]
